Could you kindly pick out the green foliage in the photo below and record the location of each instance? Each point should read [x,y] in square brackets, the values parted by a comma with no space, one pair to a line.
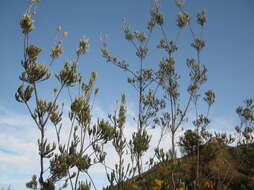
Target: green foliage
[140,142]
[245,157]
[24,95]
[245,130]
[33,52]
[34,72]
[168,78]
[33,183]
[243,183]
[209,97]
[57,50]
[189,142]
[68,76]
[142,81]
[120,173]
[161,155]
[27,23]
[201,17]
[224,138]
[84,186]
[83,46]
[156,16]
[183,19]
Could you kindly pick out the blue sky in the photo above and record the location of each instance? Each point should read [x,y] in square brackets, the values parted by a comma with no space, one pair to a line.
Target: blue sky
[229,57]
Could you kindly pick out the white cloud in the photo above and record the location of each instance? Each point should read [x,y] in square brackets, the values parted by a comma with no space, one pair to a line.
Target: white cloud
[13,119]
[18,143]
[223,123]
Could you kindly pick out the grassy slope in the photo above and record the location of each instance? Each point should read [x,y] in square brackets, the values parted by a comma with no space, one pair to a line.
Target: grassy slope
[222,166]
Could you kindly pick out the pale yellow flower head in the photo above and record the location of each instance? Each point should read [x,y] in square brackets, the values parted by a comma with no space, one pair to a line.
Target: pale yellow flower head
[179,3]
[65,34]
[83,46]
[35,1]
[57,50]
[27,23]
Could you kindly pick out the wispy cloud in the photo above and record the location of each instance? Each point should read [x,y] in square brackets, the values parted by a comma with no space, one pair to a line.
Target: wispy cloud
[19,152]
[224,123]
[17,148]
[9,118]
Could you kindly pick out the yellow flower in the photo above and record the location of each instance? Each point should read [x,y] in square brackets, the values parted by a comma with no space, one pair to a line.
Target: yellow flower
[180,188]
[209,184]
[35,1]
[65,34]
[157,184]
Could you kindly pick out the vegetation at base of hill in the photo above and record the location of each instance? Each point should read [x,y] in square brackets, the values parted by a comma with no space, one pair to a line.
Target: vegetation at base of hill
[221,167]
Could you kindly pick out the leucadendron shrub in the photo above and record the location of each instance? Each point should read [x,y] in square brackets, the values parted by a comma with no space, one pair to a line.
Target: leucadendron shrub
[159,89]
[62,163]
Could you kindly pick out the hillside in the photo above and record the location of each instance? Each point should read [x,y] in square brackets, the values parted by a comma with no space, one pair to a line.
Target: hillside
[221,167]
